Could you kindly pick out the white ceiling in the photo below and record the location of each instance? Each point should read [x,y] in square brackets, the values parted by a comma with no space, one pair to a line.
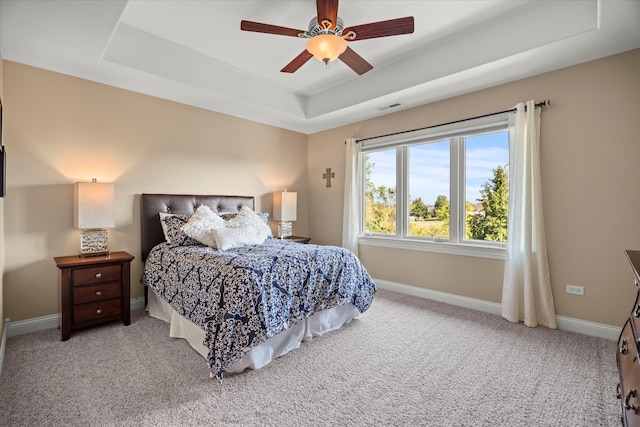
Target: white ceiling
[193,52]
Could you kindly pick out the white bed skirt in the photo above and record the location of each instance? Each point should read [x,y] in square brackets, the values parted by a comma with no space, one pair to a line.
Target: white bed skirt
[279,345]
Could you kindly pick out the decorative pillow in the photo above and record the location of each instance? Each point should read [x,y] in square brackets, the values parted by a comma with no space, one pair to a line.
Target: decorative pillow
[235,237]
[174,234]
[227,215]
[247,216]
[264,216]
[164,215]
[200,225]
[242,228]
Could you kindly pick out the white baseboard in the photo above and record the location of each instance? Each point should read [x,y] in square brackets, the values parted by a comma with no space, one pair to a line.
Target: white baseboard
[49,322]
[584,327]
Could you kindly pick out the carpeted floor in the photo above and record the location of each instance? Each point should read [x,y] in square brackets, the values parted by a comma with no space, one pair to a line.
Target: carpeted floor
[405,362]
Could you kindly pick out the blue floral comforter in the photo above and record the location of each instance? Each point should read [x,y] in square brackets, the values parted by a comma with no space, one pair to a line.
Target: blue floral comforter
[243,296]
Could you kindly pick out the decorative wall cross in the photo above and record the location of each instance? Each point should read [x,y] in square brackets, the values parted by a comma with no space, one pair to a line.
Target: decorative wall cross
[328,175]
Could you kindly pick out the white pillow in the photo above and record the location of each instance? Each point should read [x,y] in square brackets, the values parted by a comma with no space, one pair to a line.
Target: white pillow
[247,217]
[244,228]
[201,224]
[235,237]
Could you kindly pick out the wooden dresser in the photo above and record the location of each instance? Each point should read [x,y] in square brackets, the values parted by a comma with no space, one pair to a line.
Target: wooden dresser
[627,356]
[94,290]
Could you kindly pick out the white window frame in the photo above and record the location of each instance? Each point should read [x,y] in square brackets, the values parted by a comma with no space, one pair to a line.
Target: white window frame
[457,244]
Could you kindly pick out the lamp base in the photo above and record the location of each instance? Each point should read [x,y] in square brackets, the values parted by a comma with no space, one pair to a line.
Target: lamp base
[285,229]
[93,242]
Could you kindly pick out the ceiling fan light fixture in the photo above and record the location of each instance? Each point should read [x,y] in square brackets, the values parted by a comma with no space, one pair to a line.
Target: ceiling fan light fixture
[327,37]
[326,47]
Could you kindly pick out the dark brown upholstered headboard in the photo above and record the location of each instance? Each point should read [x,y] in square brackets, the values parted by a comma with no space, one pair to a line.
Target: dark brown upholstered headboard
[152,204]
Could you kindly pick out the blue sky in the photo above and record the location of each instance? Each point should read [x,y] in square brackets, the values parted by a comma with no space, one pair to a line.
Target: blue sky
[429,166]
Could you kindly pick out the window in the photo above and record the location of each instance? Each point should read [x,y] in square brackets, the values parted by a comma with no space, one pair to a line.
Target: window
[441,189]
[380,192]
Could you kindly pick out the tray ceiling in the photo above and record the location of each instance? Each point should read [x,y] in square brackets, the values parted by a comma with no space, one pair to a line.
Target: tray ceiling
[193,52]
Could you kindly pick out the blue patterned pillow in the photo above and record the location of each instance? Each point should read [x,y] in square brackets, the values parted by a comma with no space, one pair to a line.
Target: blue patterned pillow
[174,234]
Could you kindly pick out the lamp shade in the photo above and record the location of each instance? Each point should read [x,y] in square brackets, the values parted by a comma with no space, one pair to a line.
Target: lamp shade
[326,47]
[93,205]
[284,205]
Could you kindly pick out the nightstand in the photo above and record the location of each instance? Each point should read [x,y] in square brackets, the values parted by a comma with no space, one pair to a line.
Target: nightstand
[94,290]
[298,239]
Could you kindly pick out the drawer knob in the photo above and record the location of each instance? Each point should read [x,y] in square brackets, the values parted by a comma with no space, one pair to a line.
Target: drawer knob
[99,311]
[98,293]
[636,311]
[618,391]
[628,406]
[98,275]
[624,347]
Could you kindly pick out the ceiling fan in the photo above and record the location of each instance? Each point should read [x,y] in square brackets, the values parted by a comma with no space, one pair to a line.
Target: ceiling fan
[328,37]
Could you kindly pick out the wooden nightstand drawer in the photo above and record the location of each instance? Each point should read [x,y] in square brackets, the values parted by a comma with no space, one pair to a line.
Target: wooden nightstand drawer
[85,294]
[101,274]
[97,310]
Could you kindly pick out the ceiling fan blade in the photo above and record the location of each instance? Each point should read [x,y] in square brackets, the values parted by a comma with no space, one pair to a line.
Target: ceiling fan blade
[355,61]
[259,27]
[392,27]
[297,62]
[327,11]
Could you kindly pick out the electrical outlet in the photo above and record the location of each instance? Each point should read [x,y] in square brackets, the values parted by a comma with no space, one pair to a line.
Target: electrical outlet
[575,290]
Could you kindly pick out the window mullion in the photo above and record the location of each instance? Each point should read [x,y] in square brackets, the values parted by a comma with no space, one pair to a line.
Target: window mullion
[462,194]
[454,189]
[401,189]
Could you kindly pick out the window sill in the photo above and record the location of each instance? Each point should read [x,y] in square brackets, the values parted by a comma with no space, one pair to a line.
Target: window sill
[481,251]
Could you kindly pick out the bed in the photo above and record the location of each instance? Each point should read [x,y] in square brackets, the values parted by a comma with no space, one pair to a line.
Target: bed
[246,305]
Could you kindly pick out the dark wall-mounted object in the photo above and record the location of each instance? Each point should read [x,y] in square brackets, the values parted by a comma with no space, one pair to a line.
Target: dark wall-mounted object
[3,171]
[3,161]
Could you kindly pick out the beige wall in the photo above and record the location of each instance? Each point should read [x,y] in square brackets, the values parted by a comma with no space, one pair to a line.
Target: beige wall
[61,129]
[590,157]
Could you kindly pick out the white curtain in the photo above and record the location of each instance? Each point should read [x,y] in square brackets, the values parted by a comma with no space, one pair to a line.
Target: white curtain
[526,291]
[351,213]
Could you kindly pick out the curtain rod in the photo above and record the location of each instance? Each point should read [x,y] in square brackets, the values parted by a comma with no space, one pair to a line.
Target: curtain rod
[545,103]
